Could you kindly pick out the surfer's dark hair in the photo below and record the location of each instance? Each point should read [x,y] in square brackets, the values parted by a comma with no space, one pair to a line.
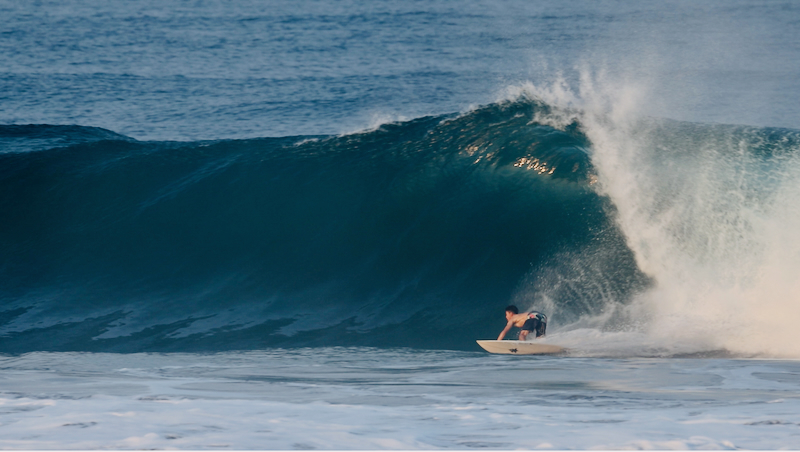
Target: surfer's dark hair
[512,308]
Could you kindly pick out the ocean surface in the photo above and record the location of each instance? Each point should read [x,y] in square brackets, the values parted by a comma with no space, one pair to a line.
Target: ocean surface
[283,224]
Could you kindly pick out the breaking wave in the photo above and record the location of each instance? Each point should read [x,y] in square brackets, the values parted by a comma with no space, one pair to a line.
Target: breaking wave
[413,234]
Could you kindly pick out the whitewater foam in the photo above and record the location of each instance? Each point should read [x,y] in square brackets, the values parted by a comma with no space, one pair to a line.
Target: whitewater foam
[362,398]
[708,213]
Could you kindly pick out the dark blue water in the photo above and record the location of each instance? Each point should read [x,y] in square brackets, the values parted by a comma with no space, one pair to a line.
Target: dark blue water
[211,176]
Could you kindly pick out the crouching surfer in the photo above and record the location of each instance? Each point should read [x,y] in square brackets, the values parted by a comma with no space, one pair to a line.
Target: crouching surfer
[527,322]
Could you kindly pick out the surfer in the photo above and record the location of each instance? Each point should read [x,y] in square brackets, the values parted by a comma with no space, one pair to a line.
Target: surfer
[528,321]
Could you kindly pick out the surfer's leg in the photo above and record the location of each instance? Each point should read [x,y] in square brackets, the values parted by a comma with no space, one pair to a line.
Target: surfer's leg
[527,327]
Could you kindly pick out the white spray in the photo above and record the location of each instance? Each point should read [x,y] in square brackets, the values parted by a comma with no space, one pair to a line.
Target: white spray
[716,226]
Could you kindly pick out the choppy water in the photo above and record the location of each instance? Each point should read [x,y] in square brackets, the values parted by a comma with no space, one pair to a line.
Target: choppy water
[366,398]
[284,224]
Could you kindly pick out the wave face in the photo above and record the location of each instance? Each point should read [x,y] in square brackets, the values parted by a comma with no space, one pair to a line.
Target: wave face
[413,234]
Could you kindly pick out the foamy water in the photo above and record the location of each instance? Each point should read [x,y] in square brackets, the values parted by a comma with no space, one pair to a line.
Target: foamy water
[362,398]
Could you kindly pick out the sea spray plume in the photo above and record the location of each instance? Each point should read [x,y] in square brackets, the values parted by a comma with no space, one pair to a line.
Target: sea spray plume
[710,213]
[592,284]
[696,206]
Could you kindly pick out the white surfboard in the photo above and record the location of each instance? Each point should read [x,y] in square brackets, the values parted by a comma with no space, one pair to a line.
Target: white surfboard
[520,347]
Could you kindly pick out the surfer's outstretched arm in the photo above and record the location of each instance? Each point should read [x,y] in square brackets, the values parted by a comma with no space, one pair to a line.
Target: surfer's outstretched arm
[505,330]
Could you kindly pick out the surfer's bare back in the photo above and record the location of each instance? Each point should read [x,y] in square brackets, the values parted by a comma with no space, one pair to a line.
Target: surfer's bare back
[528,321]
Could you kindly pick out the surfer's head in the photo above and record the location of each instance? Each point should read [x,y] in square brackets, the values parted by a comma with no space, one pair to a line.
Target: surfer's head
[511,310]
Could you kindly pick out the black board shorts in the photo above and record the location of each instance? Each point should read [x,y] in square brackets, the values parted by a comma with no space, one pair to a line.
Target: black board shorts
[535,324]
